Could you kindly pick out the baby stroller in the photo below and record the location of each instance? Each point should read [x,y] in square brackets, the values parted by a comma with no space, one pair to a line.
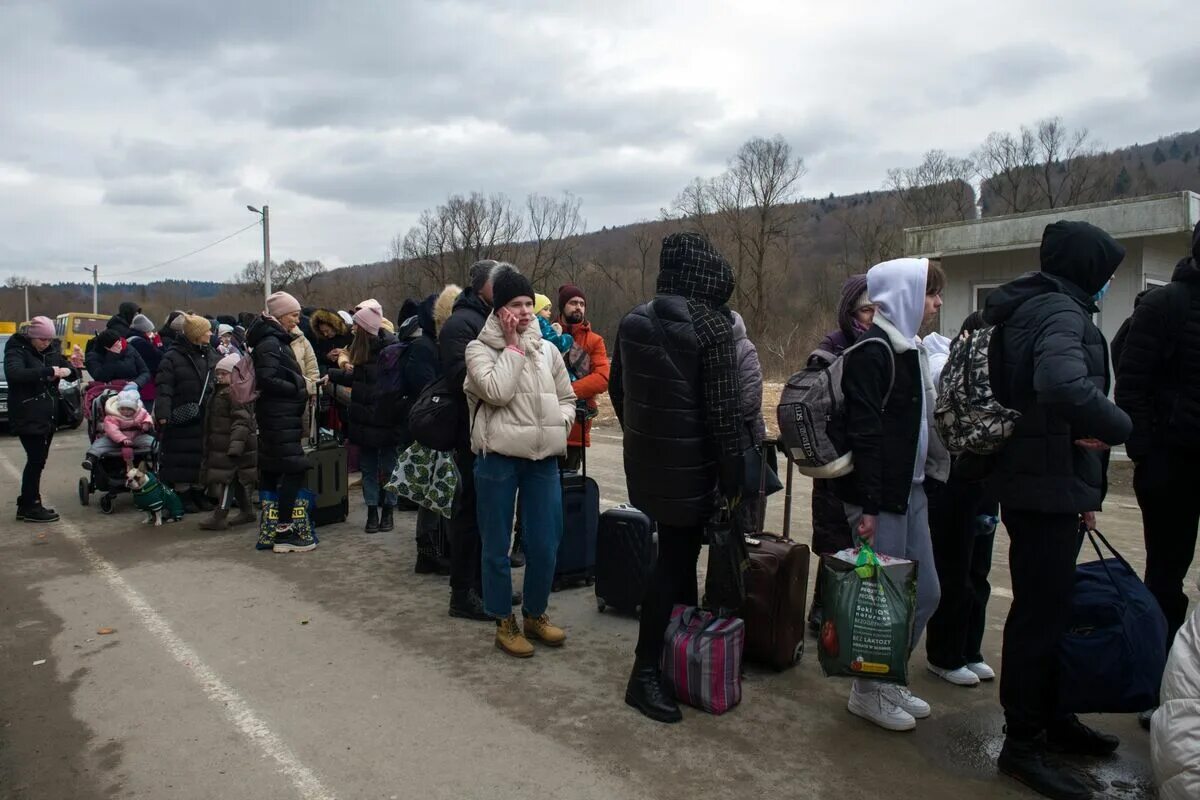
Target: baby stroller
[107,476]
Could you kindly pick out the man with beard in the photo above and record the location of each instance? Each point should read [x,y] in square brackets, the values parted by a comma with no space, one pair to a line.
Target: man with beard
[587,362]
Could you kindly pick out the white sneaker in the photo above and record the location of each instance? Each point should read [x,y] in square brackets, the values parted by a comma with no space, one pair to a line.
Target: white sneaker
[959,677]
[871,704]
[901,696]
[982,671]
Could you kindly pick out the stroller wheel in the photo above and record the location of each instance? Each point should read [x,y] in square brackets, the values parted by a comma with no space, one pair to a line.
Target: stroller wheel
[106,503]
[84,491]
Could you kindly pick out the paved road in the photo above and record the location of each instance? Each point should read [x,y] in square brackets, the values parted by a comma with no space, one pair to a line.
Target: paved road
[239,674]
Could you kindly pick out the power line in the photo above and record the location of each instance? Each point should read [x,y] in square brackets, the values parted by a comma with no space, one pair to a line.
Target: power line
[185,255]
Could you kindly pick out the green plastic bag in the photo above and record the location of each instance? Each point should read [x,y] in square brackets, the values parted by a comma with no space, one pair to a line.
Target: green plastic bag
[868,627]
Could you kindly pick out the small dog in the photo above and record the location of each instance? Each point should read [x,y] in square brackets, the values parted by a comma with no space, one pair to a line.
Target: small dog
[159,501]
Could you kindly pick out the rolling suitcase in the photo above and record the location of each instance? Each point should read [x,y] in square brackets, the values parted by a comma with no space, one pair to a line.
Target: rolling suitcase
[626,547]
[576,562]
[327,476]
[776,588]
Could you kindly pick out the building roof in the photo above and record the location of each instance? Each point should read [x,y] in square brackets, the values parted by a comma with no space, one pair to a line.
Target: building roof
[1154,215]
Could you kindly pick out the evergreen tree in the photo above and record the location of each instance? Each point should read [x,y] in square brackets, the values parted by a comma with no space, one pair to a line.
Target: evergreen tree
[1159,155]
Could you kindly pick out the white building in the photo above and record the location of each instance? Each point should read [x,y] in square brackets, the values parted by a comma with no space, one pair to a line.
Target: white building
[979,255]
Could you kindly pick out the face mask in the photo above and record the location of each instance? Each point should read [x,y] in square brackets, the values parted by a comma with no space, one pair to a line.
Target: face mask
[1098,296]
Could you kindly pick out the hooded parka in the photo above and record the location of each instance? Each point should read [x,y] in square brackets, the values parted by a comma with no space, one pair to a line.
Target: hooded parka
[282,399]
[32,387]
[230,441]
[186,369]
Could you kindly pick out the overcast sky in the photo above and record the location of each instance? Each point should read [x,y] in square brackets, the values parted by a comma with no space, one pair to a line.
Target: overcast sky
[134,131]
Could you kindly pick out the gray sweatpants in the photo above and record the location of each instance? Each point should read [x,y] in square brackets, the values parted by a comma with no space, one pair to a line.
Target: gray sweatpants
[907,536]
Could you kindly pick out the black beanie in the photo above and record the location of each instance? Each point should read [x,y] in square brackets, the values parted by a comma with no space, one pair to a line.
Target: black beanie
[507,283]
[107,338]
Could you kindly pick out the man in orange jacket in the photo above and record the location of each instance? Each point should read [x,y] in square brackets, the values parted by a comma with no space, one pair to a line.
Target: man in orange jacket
[587,361]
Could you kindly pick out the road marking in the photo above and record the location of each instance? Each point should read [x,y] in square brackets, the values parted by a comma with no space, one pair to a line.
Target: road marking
[231,703]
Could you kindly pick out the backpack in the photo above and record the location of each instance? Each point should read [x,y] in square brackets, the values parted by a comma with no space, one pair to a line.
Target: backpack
[812,415]
[968,416]
[390,375]
[243,387]
[438,415]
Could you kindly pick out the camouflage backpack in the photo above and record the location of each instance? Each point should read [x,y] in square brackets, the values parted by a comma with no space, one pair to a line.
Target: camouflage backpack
[969,417]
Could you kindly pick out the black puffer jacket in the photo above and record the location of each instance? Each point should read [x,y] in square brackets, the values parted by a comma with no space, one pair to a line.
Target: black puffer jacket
[374,416]
[1054,368]
[462,328]
[420,365]
[32,387]
[127,365]
[230,441]
[282,399]
[1158,382]
[183,374]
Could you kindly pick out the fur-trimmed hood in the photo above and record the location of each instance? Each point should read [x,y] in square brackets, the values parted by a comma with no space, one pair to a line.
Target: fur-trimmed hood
[443,307]
[331,319]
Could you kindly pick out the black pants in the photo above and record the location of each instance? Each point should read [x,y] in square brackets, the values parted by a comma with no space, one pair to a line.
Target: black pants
[962,555]
[673,581]
[1164,483]
[286,485]
[831,531]
[1041,557]
[37,449]
[466,548]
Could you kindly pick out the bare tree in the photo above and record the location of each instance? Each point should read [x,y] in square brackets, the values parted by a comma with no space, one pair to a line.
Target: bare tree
[644,240]
[554,228]
[1005,163]
[870,235]
[936,190]
[1046,166]
[289,275]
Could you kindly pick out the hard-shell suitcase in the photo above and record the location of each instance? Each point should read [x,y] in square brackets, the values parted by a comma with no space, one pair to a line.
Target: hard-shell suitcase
[776,590]
[626,548]
[327,476]
[576,562]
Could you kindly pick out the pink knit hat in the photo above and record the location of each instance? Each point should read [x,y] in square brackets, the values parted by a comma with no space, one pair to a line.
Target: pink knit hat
[282,303]
[227,363]
[369,319]
[41,328]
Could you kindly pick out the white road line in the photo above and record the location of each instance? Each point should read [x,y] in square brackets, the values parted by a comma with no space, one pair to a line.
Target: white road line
[235,708]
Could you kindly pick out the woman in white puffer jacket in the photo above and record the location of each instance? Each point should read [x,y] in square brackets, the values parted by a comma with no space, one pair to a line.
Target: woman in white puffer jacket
[1175,728]
[522,407]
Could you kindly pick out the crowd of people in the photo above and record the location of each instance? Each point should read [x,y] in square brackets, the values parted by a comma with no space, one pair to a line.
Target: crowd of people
[686,385]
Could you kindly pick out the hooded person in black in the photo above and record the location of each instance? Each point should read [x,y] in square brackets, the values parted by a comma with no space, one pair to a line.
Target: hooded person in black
[121,321]
[674,385]
[1050,478]
[1158,384]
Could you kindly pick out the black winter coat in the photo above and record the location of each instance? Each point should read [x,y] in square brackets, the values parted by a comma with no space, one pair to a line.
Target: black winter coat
[121,321]
[671,465]
[374,416]
[106,367]
[282,399]
[230,441]
[32,387]
[151,355]
[1054,369]
[419,368]
[462,328]
[883,438]
[1158,383]
[184,372]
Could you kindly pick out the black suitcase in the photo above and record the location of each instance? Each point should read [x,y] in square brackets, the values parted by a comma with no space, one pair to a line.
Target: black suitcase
[327,476]
[576,562]
[626,548]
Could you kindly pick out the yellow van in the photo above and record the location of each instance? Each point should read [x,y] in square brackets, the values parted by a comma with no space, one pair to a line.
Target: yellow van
[77,328]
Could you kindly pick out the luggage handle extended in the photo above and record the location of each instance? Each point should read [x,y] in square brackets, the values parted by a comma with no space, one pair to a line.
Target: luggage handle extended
[767,445]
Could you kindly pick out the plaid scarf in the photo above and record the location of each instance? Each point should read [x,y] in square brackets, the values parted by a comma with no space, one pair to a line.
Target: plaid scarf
[691,268]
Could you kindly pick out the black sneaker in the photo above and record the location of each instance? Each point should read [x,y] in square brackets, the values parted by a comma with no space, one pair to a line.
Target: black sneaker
[289,540]
[1025,761]
[372,525]
[1072,737]
[87,465]
[38,514]
[468,605]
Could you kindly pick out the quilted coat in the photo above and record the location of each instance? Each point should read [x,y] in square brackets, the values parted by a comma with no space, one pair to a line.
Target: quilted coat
[1175,729]
[230,441]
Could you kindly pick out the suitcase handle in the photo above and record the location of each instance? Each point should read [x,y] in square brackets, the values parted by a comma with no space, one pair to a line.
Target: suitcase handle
[778,445]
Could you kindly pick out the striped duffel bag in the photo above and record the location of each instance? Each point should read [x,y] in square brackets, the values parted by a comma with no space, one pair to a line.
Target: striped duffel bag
[702,659]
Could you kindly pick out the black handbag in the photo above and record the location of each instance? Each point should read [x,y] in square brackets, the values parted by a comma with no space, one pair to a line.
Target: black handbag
[728,560]
[754,462]
[189,412]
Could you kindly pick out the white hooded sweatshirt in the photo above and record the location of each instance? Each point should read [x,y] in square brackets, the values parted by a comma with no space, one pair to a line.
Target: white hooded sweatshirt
[897,288]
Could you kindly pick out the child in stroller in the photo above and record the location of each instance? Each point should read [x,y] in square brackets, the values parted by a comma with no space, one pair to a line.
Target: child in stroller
[121,431]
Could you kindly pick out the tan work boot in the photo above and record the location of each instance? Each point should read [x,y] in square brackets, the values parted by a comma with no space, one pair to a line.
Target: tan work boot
[543,630]
[509,638]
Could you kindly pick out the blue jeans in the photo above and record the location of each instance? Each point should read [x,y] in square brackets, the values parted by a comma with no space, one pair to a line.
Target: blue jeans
[497,480]
[376,464]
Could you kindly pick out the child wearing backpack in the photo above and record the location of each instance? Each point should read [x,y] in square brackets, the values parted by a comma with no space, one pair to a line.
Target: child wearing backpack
[889,401]
[230,464]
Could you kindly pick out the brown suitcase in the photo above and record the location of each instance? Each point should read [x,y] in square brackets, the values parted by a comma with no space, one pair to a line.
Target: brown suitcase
[776,587]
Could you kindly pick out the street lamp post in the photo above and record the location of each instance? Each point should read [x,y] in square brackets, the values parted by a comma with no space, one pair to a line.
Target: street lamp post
[95,270]
[266,225]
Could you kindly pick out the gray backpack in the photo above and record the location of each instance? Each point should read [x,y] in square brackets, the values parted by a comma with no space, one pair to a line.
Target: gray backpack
[812,415]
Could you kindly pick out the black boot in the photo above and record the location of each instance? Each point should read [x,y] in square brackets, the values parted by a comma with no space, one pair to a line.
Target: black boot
[1024,760]
[385,519]
[516,559]
[1072,737]
[37,514]
[427,563]
[517,598]
[372,525]
[468,605]
[188,500]
[645,693]
[201,500]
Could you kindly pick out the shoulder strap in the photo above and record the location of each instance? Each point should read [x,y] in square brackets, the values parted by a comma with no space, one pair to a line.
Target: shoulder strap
[663,333]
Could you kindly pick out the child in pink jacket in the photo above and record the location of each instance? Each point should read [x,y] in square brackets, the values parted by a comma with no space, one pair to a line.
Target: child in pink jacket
[127,428]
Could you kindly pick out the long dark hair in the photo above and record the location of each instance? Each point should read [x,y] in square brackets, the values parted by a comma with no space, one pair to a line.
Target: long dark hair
[360,346]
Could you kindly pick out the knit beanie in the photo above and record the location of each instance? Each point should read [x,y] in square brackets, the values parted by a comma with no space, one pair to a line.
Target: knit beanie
[508,284]
[227,363]
[129,397]
[40,328]
[568,292]
[370,302]
[142,324]
[862,301]
[106,338]
[369,319]
[223,329]
[540,303]
[196,328]
[177,320]
[281,304]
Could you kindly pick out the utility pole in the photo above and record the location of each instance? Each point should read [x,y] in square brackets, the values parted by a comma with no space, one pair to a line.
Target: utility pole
[27,317]
[266,225]
[95,270]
